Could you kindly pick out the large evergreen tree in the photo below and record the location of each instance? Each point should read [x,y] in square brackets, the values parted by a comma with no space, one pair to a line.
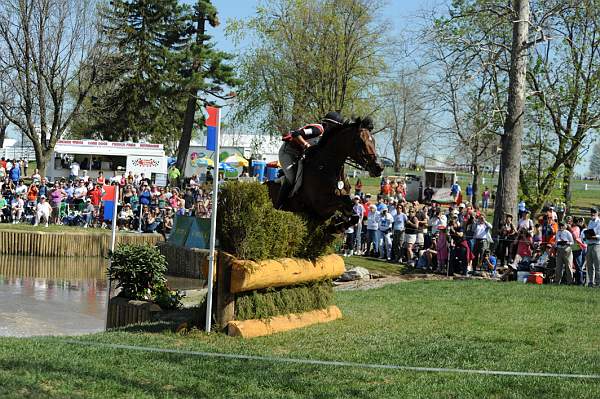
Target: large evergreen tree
[141,97]
[207,76]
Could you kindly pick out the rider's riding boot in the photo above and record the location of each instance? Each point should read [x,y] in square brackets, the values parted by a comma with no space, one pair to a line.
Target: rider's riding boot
[284,192]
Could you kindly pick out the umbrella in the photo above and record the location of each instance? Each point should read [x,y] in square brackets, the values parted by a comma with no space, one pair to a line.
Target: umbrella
[203,162]
[236,161]
[227,168]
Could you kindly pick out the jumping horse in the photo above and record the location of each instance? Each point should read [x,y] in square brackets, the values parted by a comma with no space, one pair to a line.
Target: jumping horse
[325,189]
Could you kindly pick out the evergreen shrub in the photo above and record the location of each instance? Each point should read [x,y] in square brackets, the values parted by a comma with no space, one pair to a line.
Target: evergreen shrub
[140,273]
[249,227]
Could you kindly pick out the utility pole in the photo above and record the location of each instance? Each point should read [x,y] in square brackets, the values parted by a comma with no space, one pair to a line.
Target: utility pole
[511,141]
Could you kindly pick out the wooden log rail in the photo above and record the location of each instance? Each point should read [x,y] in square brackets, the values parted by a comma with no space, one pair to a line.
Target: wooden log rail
[40,243]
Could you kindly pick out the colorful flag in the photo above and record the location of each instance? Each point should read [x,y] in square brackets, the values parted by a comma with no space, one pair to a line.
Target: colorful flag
[213,123]
[109,201]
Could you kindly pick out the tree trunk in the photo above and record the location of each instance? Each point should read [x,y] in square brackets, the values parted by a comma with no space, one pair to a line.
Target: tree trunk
[510,163]
[569,169]
[190,110]
[41,158]
[475,183]
[3,128]
[397,153]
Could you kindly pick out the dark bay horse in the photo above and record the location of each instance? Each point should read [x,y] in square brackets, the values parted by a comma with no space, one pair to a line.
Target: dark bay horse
[325,189]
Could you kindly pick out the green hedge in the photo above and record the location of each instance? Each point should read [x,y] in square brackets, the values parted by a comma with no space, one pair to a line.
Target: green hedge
[264,304]
[250,228]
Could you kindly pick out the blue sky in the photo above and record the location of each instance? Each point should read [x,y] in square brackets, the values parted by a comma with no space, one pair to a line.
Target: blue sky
[398,12]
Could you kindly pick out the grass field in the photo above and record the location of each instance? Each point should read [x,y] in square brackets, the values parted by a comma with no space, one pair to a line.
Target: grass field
[454,324]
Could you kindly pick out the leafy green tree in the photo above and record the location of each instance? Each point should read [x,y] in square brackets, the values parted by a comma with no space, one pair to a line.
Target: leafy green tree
[594,168]
[311,57]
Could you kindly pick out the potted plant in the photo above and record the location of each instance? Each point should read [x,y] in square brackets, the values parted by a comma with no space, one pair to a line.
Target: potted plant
[140,274]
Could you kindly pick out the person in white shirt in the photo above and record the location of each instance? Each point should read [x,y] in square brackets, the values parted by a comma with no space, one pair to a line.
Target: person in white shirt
[43,210]
[17,206]
[74,170]
[525,222]
[438,219]
[358,210]
[372,231]
[385,234]
[592,258]
[482,227]
[398,238]
[36,176]
[21,188]
[564,256]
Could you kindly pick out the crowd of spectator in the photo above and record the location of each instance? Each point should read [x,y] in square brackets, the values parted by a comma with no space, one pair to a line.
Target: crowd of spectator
[77,200]
[458,239]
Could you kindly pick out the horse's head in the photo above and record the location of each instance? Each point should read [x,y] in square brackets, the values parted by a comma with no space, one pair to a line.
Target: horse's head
[363,150]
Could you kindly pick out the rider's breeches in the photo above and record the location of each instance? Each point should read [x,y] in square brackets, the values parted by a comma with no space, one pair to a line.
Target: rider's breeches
[288,158]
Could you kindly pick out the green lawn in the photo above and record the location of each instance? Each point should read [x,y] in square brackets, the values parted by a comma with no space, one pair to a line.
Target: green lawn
[455,324]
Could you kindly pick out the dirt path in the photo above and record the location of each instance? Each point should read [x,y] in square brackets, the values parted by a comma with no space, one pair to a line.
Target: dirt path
[380,282]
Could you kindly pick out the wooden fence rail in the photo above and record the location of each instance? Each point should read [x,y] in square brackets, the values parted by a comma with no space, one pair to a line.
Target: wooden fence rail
[39,243]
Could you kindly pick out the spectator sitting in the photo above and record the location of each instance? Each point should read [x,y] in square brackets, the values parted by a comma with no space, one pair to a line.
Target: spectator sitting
[21,188]
[125,217]
[4,210]
[17,207]
[42,211]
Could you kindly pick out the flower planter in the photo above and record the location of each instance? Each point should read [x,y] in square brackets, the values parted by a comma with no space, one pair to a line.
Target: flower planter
[123,312]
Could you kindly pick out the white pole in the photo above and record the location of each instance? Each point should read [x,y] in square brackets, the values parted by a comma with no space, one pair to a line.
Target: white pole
[213,229]
[140,222]
[113,240]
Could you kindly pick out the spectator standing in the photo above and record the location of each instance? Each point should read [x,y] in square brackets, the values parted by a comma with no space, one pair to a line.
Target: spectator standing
[74,170]
[578,248]
[399,229]
[385,233]
[455,191]
[469,192]
[358,187]
[372,231]
[592,258]
[358,212]
[485,199]
[481,230]
[564,255]
[505,238]
[15,172]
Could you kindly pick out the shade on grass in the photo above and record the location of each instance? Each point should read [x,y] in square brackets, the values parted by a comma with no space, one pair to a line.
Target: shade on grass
[455,324]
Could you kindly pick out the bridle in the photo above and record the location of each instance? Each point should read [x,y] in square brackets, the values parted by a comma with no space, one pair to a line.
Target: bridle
[356,163]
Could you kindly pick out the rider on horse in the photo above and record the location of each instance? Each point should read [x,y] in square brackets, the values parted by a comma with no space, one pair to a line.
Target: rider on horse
[295,143]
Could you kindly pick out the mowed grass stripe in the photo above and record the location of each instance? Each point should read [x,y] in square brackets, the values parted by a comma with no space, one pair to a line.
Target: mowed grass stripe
[473,325]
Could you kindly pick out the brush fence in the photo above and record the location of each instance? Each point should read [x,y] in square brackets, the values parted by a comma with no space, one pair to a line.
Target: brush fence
[234,276]
[40,243]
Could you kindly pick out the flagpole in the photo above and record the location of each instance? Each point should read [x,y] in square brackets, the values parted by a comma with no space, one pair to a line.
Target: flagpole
[113,240]
[213,227]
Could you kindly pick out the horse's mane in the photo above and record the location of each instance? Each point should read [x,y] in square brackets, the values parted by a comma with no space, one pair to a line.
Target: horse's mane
[363,123]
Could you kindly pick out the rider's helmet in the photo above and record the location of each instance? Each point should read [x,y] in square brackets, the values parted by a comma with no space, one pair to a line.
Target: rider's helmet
[334,118]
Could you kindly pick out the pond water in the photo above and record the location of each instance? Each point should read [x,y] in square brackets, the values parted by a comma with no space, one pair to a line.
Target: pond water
[56,296]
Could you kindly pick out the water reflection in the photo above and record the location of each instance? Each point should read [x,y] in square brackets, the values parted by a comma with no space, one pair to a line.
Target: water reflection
[56,296]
